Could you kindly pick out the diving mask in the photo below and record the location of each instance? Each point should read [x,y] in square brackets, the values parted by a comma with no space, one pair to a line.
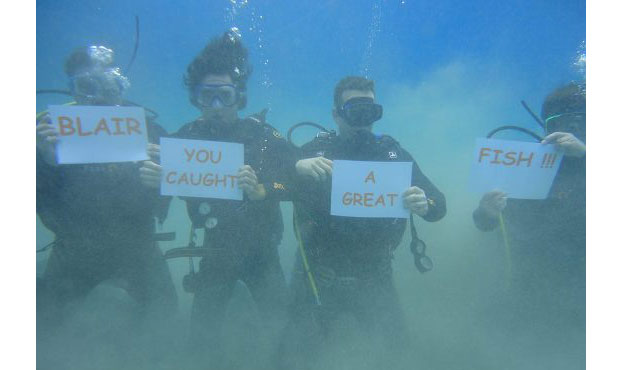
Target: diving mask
[216,96]
[361,111]
[565,122]
[99,85]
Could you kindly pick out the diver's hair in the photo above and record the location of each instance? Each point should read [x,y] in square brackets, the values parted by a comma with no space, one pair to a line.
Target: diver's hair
[352,83]
[78,60]
[222,55]
[566,99]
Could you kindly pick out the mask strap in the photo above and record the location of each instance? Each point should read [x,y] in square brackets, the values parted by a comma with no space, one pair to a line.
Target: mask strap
[557,116]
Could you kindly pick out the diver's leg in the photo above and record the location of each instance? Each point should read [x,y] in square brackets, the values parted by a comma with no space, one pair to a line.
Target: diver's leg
[306,326]
[149,281]
[265,280]
[73,269]
[214,288]
[263,275]
[379,312]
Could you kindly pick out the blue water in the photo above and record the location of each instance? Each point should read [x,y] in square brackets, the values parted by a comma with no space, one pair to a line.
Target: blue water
[299,49]
[446,72]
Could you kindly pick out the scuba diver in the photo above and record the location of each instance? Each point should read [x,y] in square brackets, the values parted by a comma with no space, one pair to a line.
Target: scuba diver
[102,216]
[546,239]
[344,264]
[241,238]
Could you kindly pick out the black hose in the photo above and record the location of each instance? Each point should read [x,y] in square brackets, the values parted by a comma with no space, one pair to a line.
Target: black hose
[48,246]
[534,115]
[54,91]
[289,133]
[154,114]
[135,47]
[516,128]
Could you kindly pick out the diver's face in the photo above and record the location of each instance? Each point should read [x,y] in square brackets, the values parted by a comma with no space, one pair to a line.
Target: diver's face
[96,87]
[341,121]
[217,98]
[574,123]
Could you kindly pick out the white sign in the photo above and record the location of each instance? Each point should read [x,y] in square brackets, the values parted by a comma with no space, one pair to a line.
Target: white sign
[370,189]
[200,168]
[521,169]
[99,134]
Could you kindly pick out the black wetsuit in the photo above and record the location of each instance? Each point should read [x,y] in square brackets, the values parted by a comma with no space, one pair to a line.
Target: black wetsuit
[103,218]
[242,236]
[349,257]
[547,241]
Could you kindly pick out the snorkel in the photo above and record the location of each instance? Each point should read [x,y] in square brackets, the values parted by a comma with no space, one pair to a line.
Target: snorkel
[564,103]
[521,129]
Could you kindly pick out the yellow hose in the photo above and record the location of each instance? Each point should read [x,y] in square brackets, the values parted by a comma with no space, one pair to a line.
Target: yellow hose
[507,253]
[302,251]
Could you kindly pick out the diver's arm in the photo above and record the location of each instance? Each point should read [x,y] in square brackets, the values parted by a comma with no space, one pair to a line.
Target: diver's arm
[49,190]
[48,177]
[483,221]
[47,138]
[150,172]
[318,168]
[492,203]
[436,200]
[567,143]
[284,181]
[279,178]
[248,182]
[312,172]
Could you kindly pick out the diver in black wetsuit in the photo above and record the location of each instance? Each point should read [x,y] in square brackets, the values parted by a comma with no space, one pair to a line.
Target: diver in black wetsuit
[547,237]
[241,237]
[102,215]
[349,258]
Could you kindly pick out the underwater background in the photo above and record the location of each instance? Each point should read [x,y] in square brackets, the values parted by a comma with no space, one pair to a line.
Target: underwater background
[446,72]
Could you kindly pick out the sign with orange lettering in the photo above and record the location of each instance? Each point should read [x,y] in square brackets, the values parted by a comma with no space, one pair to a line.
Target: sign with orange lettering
[201,168]
[369,189]
[524,170]
[99,134]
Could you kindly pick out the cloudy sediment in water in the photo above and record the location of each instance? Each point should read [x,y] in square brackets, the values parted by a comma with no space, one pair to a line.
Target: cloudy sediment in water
[446,73]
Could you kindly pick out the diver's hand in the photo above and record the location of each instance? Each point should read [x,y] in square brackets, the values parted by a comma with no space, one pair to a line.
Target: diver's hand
[318,168]
[248,182]
[415,201]
[493,203]
[150,174]
[153,151]
[567,143]
[47,137]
